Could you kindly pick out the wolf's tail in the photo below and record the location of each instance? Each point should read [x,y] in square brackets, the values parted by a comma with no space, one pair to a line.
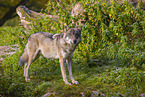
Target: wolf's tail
[23,58]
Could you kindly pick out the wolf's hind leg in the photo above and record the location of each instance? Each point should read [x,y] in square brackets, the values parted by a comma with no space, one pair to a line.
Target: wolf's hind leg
[26,69]
[33,54]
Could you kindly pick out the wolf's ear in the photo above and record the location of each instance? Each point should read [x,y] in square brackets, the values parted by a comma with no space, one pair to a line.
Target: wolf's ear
[66,28]
[80,29]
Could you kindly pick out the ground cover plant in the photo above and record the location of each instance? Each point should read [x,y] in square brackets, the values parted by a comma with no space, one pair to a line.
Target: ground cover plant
[109,61]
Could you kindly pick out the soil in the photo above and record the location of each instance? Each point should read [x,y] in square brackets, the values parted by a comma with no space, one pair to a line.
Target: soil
[7,50]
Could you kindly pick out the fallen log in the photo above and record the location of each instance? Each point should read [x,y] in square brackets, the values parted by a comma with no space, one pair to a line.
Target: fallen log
[27,17]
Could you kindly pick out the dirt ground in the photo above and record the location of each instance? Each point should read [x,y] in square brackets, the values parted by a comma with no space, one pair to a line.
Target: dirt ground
[7,50]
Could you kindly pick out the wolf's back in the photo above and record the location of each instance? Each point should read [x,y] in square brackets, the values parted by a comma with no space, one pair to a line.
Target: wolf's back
[23,58]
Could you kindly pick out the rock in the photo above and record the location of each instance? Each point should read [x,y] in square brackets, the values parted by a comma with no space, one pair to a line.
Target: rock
[47,94]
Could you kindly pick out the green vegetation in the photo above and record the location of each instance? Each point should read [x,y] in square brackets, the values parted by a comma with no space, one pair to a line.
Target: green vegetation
[110,59]
[10,35]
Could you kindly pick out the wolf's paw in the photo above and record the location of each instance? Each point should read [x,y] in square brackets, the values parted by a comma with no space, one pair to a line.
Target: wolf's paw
[68,83]
[75,82]
[27,79]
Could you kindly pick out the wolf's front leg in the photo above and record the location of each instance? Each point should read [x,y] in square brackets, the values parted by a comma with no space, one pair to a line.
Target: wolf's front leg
[62,65]
[69,62]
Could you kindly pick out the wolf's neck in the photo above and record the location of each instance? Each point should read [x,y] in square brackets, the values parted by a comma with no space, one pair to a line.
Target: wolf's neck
[66,47]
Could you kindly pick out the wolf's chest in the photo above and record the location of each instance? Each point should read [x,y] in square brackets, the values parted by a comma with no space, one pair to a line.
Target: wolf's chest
[66,54]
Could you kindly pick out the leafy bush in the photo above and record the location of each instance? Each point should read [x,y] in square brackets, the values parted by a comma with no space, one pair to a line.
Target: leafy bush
[113,30]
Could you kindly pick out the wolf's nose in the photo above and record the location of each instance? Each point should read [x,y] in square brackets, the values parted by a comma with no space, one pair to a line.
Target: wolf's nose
[74,41]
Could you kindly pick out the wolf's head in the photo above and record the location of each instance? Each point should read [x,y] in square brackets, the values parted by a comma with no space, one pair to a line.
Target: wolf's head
[72,35]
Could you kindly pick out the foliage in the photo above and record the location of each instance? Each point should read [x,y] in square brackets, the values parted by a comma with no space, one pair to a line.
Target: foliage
[109,60]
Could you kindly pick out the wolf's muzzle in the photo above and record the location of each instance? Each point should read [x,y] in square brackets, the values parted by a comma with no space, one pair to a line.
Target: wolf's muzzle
[74,41]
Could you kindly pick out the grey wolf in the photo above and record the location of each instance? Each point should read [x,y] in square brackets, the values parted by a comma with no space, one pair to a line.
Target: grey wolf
[57,46]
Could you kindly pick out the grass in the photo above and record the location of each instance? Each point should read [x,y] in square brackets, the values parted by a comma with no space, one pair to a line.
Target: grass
[9,35]
[45,74]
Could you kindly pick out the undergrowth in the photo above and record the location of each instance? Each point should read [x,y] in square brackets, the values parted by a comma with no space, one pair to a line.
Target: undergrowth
[109,60]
